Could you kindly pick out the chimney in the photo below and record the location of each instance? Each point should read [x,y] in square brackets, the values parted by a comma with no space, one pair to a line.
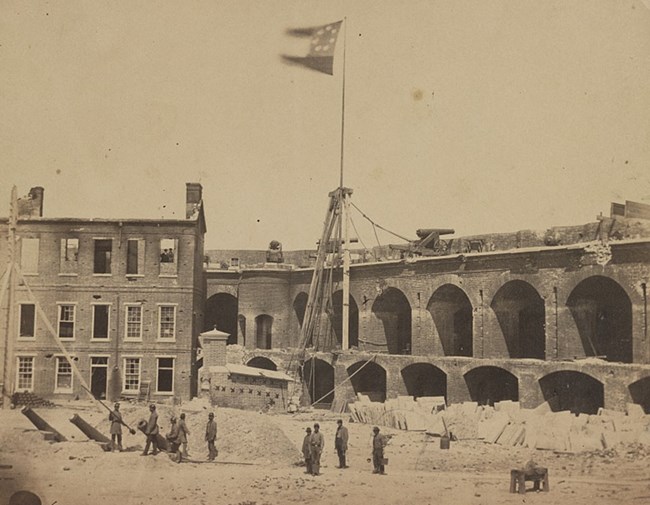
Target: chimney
[193,198]
[32,204]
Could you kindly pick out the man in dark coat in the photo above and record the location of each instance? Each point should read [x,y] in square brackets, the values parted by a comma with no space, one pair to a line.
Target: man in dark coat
[378,444]
[115,418]
[306,449]
[174,439]
[151,431]
[341,443]
[211,436]
[317,446]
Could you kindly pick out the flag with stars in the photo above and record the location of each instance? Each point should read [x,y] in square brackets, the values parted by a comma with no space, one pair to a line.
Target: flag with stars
[321,48]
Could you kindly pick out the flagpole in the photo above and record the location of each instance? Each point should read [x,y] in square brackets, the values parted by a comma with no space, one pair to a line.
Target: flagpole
[345,206]
[345,36]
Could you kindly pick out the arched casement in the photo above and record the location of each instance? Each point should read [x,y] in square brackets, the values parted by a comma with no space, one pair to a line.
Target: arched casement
[318,377]
[451,312]
[262,362]
[369,380]
[300,307]
[490,384]
[640,393]
[520,312]
[221,313]
[602,312]
[574,391]
[263,331]
[393,309]
[424,379]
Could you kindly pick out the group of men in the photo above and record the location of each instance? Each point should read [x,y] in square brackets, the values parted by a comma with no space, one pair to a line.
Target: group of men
[177,436]
[314,443]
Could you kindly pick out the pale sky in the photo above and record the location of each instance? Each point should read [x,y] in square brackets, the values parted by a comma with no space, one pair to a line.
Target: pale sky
[481,116]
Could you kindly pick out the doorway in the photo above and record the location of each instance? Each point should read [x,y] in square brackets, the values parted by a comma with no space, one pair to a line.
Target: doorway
[99,376]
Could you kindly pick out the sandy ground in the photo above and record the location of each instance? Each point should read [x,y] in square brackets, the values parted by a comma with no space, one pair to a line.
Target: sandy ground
[259,457]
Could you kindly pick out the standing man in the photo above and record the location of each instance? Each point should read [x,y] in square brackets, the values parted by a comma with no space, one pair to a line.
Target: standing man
[378,444]
[317,446]
[151,431]
[306,450]
[211,436]
[341,443]
[115,418]
[183,432]
[174,439]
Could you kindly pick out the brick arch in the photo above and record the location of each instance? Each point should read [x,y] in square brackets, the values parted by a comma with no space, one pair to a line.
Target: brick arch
[539,282]
[299,307]
[369,378]
[573,390]
[640,393]
[318,378]
[573,280]
[264,331]
[262,362]
[221,312]
[424,379]
[490,384]
[521,313]
[392,314]
[280,359]
[218,289]
[602,312]
[452,315]
[466,285]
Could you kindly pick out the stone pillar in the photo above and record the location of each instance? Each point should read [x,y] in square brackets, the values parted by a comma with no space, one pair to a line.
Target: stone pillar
[530,393]
[615,393]
[344,389]
[213,343]
[457,390]
[478,332]
[551,327]
[394,382]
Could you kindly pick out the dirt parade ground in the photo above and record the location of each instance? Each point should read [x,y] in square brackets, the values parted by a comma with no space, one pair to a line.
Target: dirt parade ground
[259,463]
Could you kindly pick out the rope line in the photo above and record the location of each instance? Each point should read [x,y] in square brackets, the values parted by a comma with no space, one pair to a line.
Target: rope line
[55,337]
[379,226]
[347,379]
[360,240]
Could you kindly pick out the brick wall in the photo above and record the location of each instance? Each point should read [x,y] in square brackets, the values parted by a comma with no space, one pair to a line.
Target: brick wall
[243,392]
[82,288]
[265,293]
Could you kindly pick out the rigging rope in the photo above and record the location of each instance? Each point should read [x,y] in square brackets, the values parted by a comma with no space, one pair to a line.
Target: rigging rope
[346,379]
[377,225]
[365,247]
[50,329]
[374,229]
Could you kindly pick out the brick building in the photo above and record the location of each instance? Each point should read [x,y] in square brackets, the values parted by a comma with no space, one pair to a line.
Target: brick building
[124,297]
[558,316]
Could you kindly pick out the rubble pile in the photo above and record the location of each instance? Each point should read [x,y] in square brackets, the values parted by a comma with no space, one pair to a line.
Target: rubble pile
[240,436]
[509,425]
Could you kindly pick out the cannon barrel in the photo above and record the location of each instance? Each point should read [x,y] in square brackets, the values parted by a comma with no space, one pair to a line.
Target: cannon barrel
[425,232]
[91,432]
[41,424]
[162,441]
